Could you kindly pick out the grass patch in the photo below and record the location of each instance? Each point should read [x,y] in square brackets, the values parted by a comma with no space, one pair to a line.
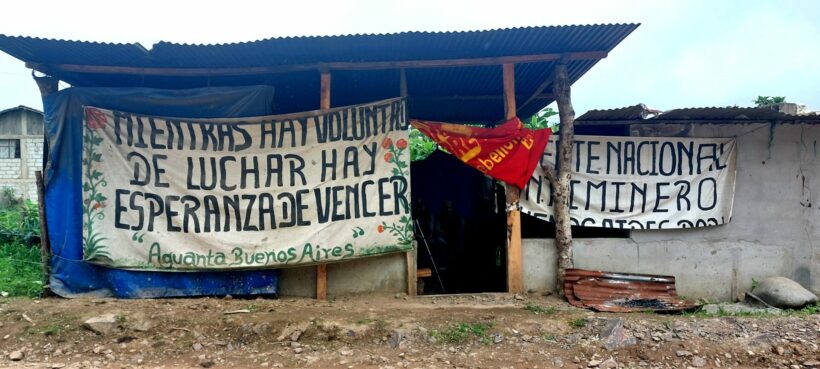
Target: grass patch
[120,319]
[20,273]
[537,309]
[810,309]
[462,332]
[51,330]
[578,323]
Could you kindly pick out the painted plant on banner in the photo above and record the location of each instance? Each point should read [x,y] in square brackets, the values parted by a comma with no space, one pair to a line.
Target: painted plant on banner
[94,247]
[403,230]
[265,192]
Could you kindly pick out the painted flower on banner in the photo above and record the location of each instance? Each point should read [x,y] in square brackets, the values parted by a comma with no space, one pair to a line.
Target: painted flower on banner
[94,118]
[94,244]
[401,143]
[380,228]
[388,156]
[387,143]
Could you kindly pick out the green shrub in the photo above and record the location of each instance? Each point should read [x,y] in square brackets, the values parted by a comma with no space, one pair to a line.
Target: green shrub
[20,223]
[20,273]
[20,264]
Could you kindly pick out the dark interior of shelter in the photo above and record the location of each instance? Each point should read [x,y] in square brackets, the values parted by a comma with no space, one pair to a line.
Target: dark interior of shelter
[461,229]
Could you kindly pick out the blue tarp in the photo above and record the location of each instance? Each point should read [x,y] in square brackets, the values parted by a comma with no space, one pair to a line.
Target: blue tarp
[70,276]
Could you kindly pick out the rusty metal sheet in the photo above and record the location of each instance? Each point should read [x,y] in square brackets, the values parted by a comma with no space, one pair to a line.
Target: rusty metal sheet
[623,292]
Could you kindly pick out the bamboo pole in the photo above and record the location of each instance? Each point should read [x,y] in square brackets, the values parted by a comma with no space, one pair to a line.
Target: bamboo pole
[515,269]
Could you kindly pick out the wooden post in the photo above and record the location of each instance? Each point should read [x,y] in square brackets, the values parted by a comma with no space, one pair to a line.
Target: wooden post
[563,230]
[321,269]
[515,269]
[45,242]
[410,256]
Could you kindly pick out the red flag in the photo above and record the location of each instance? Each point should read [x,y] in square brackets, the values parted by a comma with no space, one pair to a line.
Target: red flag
[508,152]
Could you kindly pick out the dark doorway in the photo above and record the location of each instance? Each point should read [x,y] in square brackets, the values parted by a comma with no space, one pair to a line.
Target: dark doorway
[461,215]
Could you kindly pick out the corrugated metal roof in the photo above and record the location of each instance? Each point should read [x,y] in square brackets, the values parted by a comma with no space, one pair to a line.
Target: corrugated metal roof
[20,107]
[640,114]
[634,112]
[299,90]
[732,113]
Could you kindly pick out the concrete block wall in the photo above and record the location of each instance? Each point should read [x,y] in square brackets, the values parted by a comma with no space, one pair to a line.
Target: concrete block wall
[34,155]
[10,168]
[775,226]
[12,172]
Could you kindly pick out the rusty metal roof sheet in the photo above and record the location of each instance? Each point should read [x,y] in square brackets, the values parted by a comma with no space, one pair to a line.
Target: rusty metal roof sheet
[623,292]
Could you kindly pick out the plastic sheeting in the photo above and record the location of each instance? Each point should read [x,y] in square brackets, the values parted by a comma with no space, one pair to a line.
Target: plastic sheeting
[70,275]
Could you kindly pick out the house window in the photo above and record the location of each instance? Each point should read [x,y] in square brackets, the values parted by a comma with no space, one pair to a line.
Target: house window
[9,149]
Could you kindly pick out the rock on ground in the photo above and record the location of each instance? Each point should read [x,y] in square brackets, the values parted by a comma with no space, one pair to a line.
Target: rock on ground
[101,324]
[615,336]
[16,355]
[783,293]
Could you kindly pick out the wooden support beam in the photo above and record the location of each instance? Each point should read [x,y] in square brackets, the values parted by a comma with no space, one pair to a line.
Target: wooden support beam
[410,256]
[402,83]
[237,71]
[515,267]
[321,269]
[478,97]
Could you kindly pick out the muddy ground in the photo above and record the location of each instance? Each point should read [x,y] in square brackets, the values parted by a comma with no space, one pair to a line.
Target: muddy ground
[468,331]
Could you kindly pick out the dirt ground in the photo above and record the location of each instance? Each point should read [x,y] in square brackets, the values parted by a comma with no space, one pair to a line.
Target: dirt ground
[466,331]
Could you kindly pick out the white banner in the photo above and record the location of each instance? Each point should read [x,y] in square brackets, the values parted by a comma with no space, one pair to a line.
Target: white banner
[260,192]
[641,182]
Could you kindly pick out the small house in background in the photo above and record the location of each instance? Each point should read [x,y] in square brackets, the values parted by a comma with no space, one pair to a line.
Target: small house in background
[21,151]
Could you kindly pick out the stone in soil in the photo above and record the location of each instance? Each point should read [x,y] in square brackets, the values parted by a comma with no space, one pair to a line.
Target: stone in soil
[102,324]
[698,362]
[615,336]
[395,339]
[608,364]
[16,355]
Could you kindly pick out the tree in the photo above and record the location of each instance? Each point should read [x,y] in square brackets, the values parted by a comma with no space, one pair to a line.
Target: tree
[769,100]
[560,179]
[421,146]
[540,119]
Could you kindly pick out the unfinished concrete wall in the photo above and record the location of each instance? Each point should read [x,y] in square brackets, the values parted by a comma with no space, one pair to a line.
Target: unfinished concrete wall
[23,130]
[775,227]
[376,274]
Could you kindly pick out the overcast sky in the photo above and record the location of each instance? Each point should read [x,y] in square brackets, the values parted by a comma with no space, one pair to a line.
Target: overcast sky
[685,53]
